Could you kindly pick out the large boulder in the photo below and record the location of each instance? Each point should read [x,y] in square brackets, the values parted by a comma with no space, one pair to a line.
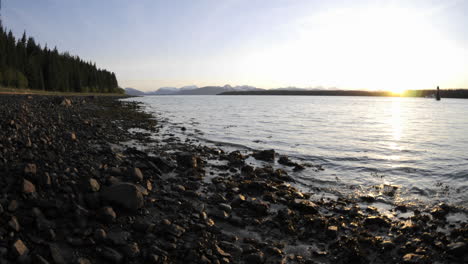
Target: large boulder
[124,195]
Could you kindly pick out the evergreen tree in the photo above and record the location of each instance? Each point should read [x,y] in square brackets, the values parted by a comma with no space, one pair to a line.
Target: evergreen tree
[24,64]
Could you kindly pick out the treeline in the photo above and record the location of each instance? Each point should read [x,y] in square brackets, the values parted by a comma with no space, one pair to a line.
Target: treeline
[454,93]
[25,64]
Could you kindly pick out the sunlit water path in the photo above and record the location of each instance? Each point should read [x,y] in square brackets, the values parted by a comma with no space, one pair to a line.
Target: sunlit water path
[417,144]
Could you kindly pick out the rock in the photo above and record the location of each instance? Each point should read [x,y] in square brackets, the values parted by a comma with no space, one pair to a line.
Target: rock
[66,102]
[107,214]
[28,187]
[298,167]
[265,155]
[440,211]
[457,249]
[305,206]
[131,250]
[221,252]
[57,255]
[376,221]
[110,255]
[13,223]
[19,248]
[83,261]
[254,258]
[92,185]
[13,205]
[100,234]
[125,195]
[40,260]
[73,136]
[119,237]
[413,258]
[225,207]
[286,161]
[187,160]
[30,169]
[136,174]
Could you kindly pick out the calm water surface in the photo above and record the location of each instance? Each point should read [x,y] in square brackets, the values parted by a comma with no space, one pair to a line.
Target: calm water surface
[417,144]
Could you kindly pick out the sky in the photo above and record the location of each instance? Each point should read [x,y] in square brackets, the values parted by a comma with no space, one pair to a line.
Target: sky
[360,44]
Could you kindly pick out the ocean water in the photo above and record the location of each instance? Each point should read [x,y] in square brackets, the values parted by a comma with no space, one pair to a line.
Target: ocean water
[365,144]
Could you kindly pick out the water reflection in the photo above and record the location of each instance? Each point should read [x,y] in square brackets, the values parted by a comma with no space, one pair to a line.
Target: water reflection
[395,120]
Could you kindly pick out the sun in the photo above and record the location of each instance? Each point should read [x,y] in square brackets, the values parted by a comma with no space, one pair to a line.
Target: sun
[377,48]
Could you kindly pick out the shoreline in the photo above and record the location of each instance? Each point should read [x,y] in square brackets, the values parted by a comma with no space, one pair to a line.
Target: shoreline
[74,191]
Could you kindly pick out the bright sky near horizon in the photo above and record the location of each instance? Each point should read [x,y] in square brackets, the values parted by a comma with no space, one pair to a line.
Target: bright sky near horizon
[362,44]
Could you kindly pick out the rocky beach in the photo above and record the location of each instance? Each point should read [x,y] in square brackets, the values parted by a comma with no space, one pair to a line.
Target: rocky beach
[94,180]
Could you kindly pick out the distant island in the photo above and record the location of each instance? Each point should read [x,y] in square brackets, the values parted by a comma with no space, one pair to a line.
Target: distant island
[449,93]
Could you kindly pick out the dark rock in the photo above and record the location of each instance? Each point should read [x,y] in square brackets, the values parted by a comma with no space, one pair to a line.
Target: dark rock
[14,224]
[136,174]
[30,169]
[187,160]
[100,234]
[254,258]
[265,155]
[119,237]
[458,249]
[305,206]
[376,221]
[110,255]
[131,250]
[57,254]
[107,214]
[125,195]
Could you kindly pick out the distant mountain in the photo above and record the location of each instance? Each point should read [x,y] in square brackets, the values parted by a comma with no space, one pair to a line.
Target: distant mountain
[193,90]
[213,90]
[134,92]
[171,90]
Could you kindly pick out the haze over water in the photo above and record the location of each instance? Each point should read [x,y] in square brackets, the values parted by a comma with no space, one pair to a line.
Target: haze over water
[417,144]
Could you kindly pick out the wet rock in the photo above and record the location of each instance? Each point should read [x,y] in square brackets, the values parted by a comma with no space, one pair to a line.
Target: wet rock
[284,160]
[136,174]
[376,221]
[440,211]
[187,160]
[107,214]
[265,155]
[298,167]
[305,206]
[19,248]
[125,195]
